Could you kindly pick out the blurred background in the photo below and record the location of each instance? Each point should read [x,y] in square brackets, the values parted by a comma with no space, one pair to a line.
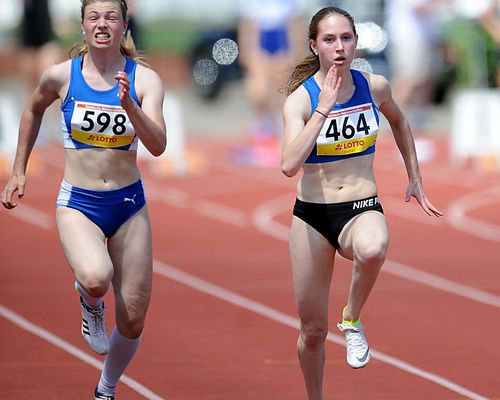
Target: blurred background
[441,56]
[221,207]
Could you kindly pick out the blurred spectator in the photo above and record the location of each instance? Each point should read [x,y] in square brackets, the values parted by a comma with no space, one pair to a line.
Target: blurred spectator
[40,49]
[133,26]
[413,50]
[490,20]
[473,37]
[270,36]
[38,39]
[473,42]
[365,10]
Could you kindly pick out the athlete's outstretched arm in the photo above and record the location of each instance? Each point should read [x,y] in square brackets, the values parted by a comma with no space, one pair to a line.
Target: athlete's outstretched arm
[44,95]
[405,142]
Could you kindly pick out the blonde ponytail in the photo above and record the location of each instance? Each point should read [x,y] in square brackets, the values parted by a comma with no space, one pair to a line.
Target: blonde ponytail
[128,49]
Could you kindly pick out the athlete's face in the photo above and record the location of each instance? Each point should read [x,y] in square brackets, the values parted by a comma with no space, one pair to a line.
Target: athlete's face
[103,24]
[336,42]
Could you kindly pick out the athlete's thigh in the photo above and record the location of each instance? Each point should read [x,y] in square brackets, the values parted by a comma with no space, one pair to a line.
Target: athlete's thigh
[312,258]
[369,227]
[131,251]
[84,245]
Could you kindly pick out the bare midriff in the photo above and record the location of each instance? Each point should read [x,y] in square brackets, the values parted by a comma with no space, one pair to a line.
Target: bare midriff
[338,181]
[100,169]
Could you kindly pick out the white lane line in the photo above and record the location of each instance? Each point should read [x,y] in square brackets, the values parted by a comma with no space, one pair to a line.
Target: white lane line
[236,299]
[264,220]
[173,197]
[263,217]
[246,303]
[33,216]
[456,215]
[207,208]
[262,214]
[222,213]
[62,344]
[458,218]
[439,283]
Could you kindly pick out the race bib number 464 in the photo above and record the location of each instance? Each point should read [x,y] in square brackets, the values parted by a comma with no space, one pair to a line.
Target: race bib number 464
[101,125]
[348,131]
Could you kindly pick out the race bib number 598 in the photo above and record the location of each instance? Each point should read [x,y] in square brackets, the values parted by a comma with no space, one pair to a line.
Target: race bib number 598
[348,131]
[101,125]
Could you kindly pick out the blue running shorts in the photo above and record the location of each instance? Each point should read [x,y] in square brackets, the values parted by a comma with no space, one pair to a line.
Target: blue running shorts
[108,209]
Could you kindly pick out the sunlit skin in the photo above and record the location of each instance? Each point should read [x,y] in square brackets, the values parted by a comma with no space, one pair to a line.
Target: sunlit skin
[101,255]
[335,47]
[365,238]
[335,44]
[103,25]
[103,28]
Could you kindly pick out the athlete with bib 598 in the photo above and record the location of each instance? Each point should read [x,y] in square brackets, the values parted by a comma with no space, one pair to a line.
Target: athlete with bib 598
[109,100]
[331,121]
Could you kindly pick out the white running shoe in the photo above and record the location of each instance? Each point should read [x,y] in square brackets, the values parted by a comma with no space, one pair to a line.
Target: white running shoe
[358,351]
[102,396]
[94,328]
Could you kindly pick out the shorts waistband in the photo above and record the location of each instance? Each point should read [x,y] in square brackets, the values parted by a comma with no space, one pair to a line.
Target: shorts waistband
[360,204]
[67,186]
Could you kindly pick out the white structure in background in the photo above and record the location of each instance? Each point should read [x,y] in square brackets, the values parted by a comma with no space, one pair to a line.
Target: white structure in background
[175,155]
[475,132]
[9,123]
[10,17]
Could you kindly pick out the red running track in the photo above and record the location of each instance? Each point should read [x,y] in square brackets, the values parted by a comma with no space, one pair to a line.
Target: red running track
[222,323]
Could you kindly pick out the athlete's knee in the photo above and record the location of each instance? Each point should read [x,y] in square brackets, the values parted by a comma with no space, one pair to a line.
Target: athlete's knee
[95,281]
[372,253]
[131,327]
[313,335]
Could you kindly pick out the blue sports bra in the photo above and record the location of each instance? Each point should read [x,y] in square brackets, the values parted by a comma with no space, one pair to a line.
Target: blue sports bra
[94,118]
[351,128]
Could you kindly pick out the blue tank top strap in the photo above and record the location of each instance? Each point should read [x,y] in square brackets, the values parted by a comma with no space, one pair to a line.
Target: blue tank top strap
[313,90]
[130,68]
[362,84]
[76,65]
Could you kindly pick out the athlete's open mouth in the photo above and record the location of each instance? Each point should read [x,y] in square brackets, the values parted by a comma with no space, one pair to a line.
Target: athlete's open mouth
[102,36]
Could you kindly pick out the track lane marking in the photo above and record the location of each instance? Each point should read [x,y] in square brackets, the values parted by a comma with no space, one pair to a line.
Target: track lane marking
[67,347]
[480,397]
[457,214]
[236,299]
[33,216]
[263,219]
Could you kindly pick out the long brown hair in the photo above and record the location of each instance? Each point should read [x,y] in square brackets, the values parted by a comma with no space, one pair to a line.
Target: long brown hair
[127,45]
[310,64]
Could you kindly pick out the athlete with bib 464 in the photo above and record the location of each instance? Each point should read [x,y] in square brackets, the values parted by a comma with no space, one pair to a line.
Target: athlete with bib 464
[109,100]
[331,122]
